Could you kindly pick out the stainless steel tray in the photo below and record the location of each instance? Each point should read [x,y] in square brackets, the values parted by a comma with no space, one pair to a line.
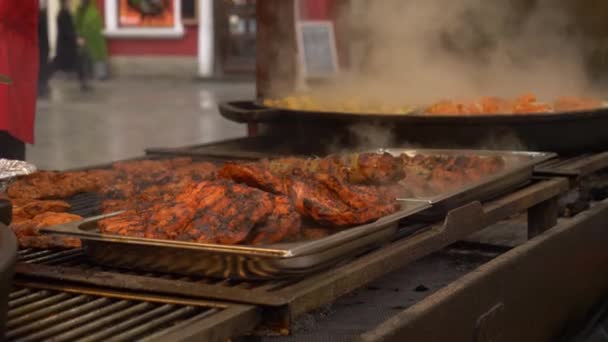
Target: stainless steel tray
[238,262]
[518,170]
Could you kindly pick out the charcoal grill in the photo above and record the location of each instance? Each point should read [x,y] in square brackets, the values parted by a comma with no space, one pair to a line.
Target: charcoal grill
[284,301]
[290,305]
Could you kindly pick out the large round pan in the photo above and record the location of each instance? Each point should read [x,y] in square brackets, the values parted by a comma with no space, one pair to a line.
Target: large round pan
[562,132]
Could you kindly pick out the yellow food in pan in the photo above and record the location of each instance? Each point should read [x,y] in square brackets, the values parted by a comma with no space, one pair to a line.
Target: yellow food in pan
[307,103]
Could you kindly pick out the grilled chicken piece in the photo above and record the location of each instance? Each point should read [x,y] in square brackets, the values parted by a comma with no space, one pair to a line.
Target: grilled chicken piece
[36,207]
[217,211]
[51,185]
[129,223]
[283,224]
[227,213]
[356,168]
[255,175]
[374,168]
[329,202]
[29,237]
[160,185]
[429,176]
[321,197]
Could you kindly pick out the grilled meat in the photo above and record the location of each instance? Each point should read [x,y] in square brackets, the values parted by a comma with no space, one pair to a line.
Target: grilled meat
[218,211]
[330,202]
[356,168]
[230,214]
[164,179]
[432,175]
[36,207]
[322,197]
[256,175]
[27,231]
[51,185]
[283,224]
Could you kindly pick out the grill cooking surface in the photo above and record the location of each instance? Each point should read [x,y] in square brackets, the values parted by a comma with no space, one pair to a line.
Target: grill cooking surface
[36,315]
[85,205]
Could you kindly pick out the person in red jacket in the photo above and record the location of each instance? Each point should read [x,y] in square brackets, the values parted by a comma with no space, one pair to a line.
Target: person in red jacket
[18,61]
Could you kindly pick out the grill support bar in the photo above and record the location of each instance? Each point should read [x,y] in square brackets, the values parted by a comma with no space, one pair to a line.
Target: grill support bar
[525,294]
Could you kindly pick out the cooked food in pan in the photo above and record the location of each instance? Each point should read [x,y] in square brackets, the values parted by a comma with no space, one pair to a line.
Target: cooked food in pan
[525,104]
[257,203]
[308,103]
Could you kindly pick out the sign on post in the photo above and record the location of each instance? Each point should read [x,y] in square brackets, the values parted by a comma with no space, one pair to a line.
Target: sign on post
[317,49]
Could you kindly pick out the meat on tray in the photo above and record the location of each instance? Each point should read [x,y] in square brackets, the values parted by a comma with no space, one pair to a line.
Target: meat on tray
[258,203]
[434,175]
[321,197]
[30,209]
[29,237]
[122,186]
[217,211]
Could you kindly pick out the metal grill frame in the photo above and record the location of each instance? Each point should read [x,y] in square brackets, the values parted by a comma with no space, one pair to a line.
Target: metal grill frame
[291,299]
[525,294]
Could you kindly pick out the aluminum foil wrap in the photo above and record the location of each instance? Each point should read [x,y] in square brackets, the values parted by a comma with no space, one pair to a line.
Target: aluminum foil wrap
[9,169]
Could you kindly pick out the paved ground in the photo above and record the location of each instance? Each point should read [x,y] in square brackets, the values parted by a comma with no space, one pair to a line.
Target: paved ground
[120,118]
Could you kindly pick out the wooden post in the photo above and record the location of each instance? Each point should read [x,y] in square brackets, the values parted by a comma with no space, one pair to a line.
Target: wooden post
[276,65]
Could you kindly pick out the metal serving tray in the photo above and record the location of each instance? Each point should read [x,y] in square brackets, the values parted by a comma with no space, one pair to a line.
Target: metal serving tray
[239,261]
[518,170]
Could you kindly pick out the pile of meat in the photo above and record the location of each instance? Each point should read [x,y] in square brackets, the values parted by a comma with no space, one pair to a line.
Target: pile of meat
[526,104]
[431,175]
[187,201]
[269,202]
[39,199]
[256,203]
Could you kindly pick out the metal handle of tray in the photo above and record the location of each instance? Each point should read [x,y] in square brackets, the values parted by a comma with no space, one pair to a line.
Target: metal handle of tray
[247,111]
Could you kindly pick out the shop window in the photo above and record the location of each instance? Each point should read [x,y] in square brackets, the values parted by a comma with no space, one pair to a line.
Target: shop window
[143,18]
[190,12]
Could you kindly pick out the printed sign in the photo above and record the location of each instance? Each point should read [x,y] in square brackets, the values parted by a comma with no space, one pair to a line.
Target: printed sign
[317,49]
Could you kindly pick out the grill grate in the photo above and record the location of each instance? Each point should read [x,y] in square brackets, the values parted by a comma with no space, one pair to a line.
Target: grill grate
[85,205]
[38,314]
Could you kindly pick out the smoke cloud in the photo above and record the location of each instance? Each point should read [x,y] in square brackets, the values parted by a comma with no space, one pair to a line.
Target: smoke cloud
[411,52]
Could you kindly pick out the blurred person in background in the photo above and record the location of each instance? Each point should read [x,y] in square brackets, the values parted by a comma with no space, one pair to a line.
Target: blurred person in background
[18,61]
[89,26]
[43,47]
[71,55]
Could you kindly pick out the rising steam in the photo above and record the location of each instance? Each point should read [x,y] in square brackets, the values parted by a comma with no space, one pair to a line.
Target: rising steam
[412,52]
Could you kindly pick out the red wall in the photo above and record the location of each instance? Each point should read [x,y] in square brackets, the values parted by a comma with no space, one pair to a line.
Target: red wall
[315,9]
[183,46]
